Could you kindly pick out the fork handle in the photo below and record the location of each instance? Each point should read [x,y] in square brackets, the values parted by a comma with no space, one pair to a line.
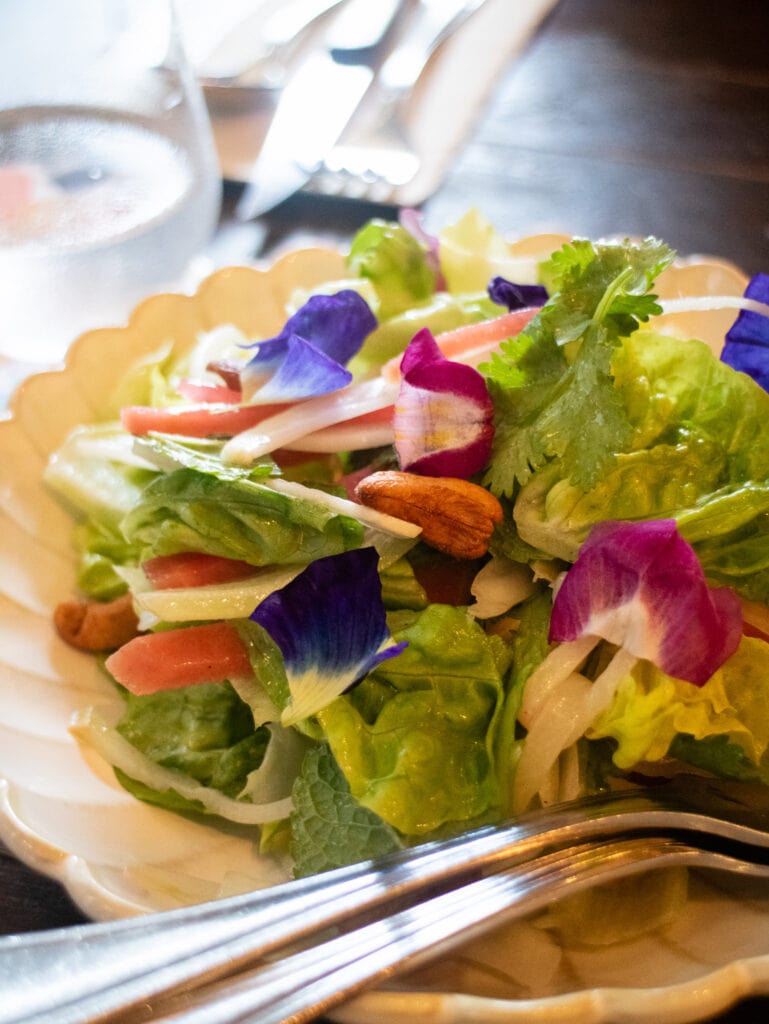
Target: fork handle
[76,975]
[299,987]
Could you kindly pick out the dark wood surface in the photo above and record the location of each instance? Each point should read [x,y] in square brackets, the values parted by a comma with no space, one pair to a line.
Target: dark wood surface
[622,116]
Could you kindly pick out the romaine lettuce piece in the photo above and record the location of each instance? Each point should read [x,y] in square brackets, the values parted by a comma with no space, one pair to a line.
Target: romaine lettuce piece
[96,473]
[238,518]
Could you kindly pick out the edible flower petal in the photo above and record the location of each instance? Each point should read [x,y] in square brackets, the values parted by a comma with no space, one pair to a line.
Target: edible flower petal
[443,415]
[747,342]
[300,371]
[332,326]
[641,586]
[516,296]
[330,626]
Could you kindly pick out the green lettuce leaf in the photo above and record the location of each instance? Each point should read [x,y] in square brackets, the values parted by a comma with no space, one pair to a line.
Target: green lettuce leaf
[395,263]
[529,648]
[730,713]
[416,739]
[442,312]
[472,252]
[238,518]
[329,828]
[93,472]
[697,454]
[169,452]
[101,548]
[207,732]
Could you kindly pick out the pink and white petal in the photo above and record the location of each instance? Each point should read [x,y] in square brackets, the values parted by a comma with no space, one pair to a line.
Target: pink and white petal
[641,586]
[443,416]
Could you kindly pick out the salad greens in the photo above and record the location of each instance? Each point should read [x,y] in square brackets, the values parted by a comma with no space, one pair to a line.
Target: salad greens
[372,699]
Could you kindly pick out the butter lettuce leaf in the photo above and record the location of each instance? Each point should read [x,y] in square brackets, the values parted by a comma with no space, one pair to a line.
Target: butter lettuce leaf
[654,715]
[416,739]
[395,262]
[697,454]
[207,732]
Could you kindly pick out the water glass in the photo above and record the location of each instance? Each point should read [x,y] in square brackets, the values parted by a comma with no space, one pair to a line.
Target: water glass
[109,178]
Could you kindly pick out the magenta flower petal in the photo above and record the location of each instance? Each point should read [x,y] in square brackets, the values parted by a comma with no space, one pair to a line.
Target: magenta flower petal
[640,586]
[443,417]
[411,219]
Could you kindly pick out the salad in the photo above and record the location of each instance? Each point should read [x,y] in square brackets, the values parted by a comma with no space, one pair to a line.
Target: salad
[472,533]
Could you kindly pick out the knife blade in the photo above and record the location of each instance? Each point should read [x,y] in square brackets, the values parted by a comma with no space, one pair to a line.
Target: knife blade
[317,103]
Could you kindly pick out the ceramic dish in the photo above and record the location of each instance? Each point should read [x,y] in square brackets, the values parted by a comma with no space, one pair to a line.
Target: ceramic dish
[66,816]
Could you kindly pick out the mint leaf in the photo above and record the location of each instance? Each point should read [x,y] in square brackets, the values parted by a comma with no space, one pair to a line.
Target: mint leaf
[329,828]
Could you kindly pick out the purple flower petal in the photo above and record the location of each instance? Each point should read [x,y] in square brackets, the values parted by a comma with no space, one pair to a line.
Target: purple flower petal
[329,623]
[640,586]
[747,342]
[443,417]
[516,296]
[333,327]
[300,372]
[336,324]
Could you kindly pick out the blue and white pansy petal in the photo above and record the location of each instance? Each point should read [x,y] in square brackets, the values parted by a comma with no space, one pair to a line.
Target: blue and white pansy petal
[333,325]
[330,625]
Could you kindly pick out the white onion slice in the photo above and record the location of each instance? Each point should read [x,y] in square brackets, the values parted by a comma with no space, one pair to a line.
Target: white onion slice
[313,414]
[91,729]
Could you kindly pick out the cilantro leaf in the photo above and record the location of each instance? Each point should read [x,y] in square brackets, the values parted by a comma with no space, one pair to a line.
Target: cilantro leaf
[552,386]
[329,828]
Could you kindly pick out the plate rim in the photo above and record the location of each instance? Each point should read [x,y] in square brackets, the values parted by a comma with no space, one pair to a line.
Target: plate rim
[712,991]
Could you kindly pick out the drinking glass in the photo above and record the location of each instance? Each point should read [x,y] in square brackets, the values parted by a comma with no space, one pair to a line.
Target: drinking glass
[109,178]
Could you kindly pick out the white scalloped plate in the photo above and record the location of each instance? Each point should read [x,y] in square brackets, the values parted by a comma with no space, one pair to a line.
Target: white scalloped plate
[66,816]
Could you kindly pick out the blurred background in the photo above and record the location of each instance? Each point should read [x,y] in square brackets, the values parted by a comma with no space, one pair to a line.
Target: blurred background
[586,116]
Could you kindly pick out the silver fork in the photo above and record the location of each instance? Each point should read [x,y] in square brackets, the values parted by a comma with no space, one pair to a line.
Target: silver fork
[379,159]
[171,966]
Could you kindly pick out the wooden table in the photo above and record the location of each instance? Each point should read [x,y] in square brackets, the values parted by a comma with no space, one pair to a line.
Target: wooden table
[623,116]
